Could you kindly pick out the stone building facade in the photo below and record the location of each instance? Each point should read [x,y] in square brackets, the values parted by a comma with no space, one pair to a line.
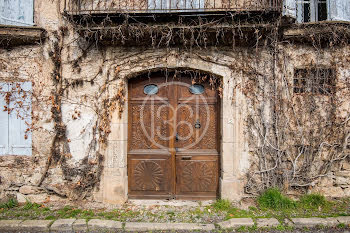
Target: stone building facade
[283,116]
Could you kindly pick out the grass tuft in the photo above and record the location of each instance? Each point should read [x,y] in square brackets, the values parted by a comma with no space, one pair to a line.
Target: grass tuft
[222,205]
[31,206]
[313,201]
[273,199]
[12,203]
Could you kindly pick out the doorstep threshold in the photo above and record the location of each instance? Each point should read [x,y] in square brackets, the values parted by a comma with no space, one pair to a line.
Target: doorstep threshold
[179,203]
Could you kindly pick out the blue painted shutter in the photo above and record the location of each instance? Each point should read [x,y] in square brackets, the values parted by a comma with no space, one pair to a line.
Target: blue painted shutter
[176,5]
[20,119]
[17,12]
[157,4]
[3,120]
[289,8]
[339,10]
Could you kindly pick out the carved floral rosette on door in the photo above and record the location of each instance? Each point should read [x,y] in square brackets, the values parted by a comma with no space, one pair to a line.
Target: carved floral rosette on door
[173,149]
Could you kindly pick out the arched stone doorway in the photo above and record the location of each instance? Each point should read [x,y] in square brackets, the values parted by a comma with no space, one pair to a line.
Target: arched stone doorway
[233,155]
[174,136]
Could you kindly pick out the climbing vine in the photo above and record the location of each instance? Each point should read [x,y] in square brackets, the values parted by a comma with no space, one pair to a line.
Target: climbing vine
[295,138]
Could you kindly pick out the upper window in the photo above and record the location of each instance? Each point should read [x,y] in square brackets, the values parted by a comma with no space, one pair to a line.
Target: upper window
[16,12]
[314,80]
[15,118]
[176,5]
[312,10]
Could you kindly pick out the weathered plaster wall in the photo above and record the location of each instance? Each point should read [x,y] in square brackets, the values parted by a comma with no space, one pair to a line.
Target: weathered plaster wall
[250,78]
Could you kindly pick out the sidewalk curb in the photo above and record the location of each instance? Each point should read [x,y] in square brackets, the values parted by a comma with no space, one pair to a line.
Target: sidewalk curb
[98,224]
[143,226]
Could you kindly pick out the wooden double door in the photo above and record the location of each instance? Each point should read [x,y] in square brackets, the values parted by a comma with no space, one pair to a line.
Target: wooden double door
[173,138]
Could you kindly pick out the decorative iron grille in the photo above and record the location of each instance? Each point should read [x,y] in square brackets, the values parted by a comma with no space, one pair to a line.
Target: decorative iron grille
[168,6]
[314,80]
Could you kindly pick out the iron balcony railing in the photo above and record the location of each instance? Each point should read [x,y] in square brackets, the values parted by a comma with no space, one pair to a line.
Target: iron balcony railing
[168,6]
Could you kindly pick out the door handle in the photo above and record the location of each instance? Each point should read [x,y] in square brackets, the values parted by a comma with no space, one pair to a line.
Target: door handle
[186,158]
[177,137]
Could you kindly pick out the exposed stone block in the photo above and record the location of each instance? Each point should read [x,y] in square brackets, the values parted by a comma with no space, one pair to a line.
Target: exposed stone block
[62,225]
[343,173]
[26,189]
[342,181]
[9,225]
[346,166]
[313,222]
[236,222]
[21,199]
[97,224]
[331,191]
[38,198]
[35,225]
[347,192]
[80,225]
[267,222]
[344,219]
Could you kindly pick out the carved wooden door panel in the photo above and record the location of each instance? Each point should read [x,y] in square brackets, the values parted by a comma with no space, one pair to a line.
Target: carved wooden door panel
[173,148]
[197,145]
[149,155]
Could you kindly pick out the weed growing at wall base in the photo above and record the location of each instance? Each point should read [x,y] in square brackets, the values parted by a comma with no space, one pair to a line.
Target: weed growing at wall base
[9,204]
[273,199]
[313,201]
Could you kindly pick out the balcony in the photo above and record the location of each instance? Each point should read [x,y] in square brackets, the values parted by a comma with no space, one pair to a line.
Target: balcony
[91,7]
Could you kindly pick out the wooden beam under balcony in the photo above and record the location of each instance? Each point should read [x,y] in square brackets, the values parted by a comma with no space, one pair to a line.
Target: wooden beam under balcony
[319,33]
[210,34]
[11,36]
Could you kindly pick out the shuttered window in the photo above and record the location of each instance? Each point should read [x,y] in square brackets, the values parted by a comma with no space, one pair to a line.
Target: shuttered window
[17,12]
[15,118]
[289,8]
[318,10]
[339,10]
[176,5]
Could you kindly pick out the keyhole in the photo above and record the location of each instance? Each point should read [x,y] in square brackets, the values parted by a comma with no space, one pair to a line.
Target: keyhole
[197,125]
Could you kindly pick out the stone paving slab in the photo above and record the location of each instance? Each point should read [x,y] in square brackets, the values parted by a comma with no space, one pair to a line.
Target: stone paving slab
[9,225]
[80,225]
[267,222]
[97,224]
[35,225]
[344,219]
[236,222]
[312,222]
[62,225]
[146,226]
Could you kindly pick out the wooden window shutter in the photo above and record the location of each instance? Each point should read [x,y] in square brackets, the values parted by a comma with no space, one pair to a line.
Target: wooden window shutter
[339,10]
[17,12]
[4,137]
[289,8]
[20,119]
[176,5]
